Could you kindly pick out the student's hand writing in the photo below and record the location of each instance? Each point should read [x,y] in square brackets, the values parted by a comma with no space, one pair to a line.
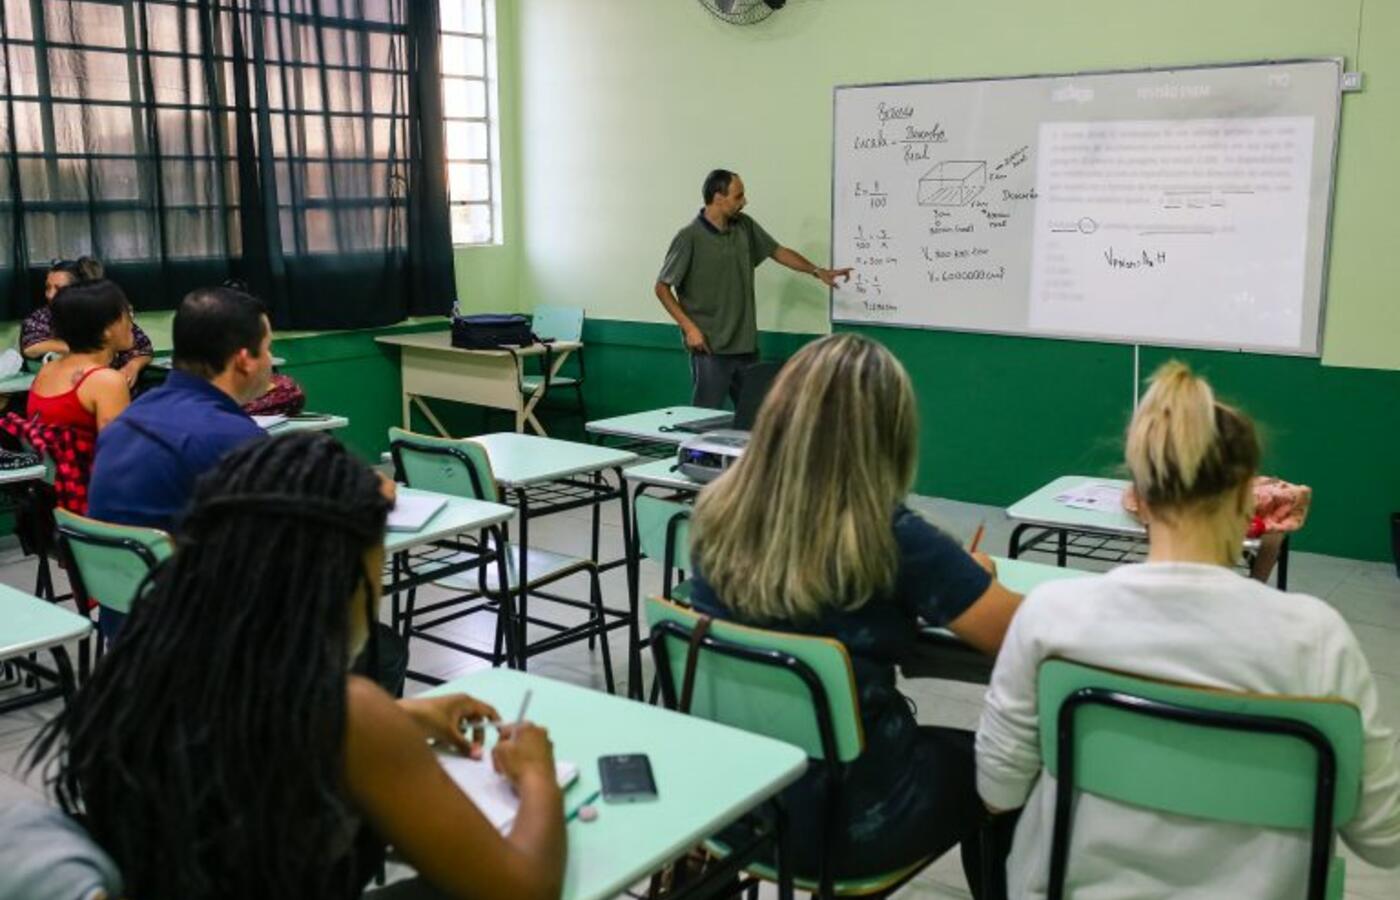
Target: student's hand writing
[387,488]
[523,750]
[985,562]
[442,719]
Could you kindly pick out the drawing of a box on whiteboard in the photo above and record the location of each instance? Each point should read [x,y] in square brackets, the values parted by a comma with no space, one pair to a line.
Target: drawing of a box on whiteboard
[953,182]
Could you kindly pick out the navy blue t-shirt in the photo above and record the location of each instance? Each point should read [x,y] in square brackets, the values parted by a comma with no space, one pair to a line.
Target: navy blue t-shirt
[889,788]
[149,457]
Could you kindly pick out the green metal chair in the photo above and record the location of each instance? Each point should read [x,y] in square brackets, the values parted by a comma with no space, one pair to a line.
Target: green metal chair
[794,688]
[462,468]
[107,563]
[1266,761]
[663,534]
[558,323]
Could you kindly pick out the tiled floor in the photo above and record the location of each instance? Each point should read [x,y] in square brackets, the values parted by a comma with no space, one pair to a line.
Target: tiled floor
[1367,594]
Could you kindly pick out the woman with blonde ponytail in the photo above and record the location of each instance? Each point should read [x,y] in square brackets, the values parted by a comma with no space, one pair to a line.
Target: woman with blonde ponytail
[1184,616]
[808,532]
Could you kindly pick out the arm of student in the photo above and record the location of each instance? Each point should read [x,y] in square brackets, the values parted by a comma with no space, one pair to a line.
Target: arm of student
[1008,735]
[132,370]
[1374,832]
[405,795]
[37,349]
[985,622]
[106,394]
[786,256]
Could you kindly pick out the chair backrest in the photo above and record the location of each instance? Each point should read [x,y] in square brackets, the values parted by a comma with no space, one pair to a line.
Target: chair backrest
[791,687]
[109,562]
[453,466]
[557,323]
[1266,761]
[663,532]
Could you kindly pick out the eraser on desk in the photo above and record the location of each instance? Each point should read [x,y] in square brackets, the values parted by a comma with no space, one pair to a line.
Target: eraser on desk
[587,813]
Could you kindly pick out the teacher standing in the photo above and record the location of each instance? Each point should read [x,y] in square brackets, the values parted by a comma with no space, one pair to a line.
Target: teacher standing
[706,284]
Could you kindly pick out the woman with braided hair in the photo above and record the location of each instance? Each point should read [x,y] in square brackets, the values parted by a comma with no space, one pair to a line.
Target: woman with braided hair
[221,749]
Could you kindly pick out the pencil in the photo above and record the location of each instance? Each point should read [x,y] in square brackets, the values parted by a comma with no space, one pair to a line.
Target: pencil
[977,538]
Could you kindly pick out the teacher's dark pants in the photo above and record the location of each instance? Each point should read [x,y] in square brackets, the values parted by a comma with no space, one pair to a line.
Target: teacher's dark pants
[713,376]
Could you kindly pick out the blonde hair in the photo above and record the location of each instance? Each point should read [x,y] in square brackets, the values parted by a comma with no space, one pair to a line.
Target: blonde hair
[803,522]
[1184,448]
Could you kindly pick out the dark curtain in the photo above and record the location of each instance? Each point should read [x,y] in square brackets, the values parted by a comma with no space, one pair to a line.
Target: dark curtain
[294,144]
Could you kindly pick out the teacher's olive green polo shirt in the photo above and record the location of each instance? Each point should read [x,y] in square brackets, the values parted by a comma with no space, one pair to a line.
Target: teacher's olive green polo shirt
[711,272]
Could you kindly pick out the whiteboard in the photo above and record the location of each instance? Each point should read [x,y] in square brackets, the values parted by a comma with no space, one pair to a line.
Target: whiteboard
[1184,207]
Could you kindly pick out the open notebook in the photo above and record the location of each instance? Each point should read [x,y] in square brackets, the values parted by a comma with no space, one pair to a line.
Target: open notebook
[412,511]
[491,793]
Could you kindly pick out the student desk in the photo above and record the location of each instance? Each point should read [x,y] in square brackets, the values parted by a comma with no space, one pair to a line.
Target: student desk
[940,654]
[651,433]
[17,383]
[20,485]
[165,362]
[542,476]
[459,517]
[433,368]
[1048,526]
[29,624]
[309,422]
[707,776]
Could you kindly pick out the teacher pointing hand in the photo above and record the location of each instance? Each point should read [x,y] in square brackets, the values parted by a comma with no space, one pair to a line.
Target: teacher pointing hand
[706,284]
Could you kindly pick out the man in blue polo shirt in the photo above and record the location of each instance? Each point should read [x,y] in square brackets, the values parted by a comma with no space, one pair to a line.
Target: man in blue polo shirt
[149,457]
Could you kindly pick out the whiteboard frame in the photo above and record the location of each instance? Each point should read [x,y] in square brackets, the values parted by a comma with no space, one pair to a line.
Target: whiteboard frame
[1270,350]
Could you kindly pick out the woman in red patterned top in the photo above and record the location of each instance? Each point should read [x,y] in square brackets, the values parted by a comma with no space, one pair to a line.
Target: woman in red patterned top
[38,338]
[77,395]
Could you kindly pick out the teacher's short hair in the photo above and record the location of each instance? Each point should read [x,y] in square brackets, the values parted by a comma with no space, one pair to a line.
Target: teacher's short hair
[717,182]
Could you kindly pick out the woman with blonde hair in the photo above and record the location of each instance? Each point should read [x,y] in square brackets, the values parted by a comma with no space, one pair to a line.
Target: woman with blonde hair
[809,533]
[1183,616]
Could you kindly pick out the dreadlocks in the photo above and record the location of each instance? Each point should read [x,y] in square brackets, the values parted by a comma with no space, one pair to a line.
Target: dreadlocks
[205,752]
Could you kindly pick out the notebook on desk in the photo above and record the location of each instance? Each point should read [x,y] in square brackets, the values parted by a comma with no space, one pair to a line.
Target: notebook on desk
[753,388]
[412,511]
[491,792]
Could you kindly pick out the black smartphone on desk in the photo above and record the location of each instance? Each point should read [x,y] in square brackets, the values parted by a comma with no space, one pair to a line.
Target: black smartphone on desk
[626,778]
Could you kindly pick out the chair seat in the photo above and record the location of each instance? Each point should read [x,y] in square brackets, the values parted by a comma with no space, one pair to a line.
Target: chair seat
[854,887]
[544,565]
[531,383]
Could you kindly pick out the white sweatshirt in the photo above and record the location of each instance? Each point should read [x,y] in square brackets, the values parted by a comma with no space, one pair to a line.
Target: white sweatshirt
[1195,624]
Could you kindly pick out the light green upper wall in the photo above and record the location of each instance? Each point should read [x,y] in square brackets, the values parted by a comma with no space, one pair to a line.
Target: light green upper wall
[623,105]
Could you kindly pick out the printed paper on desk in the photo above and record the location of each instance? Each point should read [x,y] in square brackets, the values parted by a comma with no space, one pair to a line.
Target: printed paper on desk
[491,792]
[266,422]
[1093,495]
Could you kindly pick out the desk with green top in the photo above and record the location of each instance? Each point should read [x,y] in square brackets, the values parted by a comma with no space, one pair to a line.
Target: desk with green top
[654,432]
[1046,525]
[434,369]
[542,476]
[30,625]
[941,654]
[707,776]
[444,555]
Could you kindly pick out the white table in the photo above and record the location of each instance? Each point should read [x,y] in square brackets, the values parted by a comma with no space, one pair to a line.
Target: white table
[29,624]
[707,776]
[655,431]
[433,368]
[309,422]
[543,476]
[459,516]
[1108,535]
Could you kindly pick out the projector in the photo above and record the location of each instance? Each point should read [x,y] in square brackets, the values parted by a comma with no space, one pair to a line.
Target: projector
[704,457]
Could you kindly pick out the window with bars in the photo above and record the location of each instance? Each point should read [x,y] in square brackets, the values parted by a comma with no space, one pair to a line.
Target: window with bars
[124,136]
[470,120]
